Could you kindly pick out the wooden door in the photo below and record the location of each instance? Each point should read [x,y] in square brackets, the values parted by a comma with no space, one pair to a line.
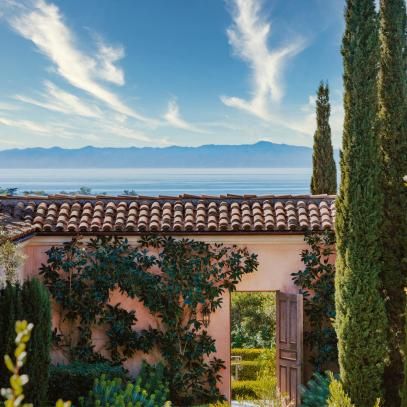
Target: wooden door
[289,344]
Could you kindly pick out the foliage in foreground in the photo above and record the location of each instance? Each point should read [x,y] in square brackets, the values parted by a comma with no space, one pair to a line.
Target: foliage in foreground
[29,301]
[116,393]
[323,179]
[317,284]
[14,395]
[392,99]
[338,397]
[316,392]
[361,323]
[189,288]
[76,379]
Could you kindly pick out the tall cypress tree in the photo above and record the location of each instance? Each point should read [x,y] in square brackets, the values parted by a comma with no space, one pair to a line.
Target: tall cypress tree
[392,92]
[323,179]
[360,311]
[37,310]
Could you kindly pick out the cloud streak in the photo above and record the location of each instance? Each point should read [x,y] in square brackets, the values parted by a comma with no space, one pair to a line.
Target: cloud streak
[249,37]
[43,24]
[173,117]
[61,101]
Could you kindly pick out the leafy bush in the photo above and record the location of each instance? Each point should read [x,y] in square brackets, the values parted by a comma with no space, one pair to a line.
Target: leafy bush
[316,391]
[245,389]
[337,396]
[253,320]
[317,284]
[115,393]
[153,378]
[247,354]
[248,369]
[76,379]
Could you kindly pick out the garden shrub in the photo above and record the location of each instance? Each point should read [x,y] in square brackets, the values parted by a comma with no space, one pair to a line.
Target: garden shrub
[253,318]
[116,393]
[317,285]
[316,391]
[249,369]
[76,379]
[338,396]
[245,389]
[30,302]
[247,354]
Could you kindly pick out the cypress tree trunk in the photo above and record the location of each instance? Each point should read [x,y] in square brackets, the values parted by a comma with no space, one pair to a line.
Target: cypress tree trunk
[392,91]
[360,312]
[37,310]
[323,179]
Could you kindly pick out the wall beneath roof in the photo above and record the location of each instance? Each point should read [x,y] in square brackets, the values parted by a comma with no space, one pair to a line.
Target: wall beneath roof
[279,256]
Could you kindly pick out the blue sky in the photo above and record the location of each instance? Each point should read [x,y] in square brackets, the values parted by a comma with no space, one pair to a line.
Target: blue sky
[160,72]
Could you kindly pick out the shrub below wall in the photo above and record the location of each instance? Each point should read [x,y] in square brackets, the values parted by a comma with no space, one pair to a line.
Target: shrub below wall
[69,382]
[249,369]
[246,390]
[247,354]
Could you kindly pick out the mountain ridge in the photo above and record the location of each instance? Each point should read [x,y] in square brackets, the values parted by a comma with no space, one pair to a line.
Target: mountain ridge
[262,154]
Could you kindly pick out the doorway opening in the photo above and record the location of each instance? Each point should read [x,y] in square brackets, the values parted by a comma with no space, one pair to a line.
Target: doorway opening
[253,348]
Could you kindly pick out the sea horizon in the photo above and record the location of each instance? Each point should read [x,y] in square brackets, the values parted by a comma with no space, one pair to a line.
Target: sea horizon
[159,181]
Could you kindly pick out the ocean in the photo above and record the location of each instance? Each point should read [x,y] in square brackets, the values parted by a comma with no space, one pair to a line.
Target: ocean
[161,181]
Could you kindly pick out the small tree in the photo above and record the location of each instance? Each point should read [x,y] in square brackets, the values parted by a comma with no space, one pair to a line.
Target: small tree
[323,179]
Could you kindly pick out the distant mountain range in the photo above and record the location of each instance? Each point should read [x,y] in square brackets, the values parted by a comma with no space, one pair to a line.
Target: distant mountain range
[262,154]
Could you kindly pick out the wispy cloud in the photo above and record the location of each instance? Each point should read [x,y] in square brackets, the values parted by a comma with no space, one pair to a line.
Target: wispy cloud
[174,118]
[107,57]
[61,101]
[43,24]
[8,106]
[249,36]
[26,125]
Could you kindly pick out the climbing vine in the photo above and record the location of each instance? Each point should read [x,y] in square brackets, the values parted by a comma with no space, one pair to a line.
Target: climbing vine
[316,283]
[181,282]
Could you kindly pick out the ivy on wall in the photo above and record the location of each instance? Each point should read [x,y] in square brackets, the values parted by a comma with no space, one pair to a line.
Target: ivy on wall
[317,284]
[181,282]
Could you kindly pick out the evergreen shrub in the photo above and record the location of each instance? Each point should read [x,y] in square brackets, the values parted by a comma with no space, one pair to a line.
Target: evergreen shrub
[316,392]
[247,354]
[249,369]
[246,389]
[76,379]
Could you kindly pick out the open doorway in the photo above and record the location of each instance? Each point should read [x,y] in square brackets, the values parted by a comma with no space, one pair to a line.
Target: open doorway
[253,348]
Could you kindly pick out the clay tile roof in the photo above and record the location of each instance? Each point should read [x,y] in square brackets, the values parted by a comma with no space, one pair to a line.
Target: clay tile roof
[184,214]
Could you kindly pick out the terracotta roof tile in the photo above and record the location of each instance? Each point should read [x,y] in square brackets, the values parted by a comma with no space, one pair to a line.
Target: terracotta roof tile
[186,213]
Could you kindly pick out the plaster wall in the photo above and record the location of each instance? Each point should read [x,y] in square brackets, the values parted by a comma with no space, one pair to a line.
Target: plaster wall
[278,255]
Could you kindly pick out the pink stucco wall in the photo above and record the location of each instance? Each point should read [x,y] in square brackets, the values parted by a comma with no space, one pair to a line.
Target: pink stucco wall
[279,256]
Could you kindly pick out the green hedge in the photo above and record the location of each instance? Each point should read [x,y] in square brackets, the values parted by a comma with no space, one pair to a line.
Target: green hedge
[247,354]
[69,382]
[246,389]
[248,369]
